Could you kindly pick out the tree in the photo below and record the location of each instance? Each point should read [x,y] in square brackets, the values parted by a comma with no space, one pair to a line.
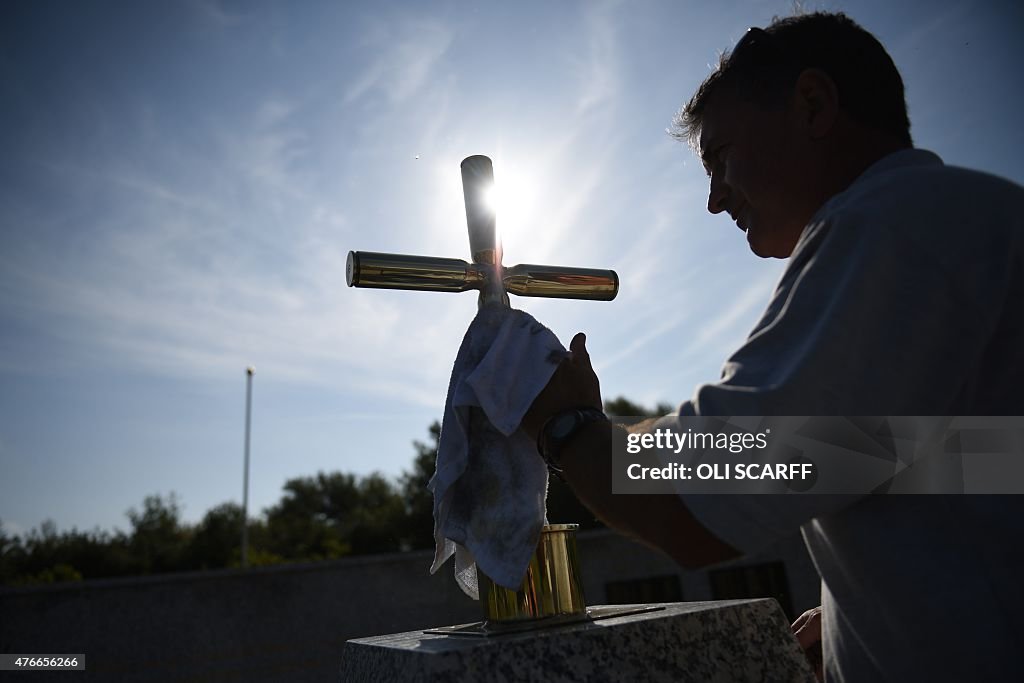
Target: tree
[378,517]
[158,539]
[623,407]
[418,525]
[306,524]
[12,555]
[44,556]
[216,540]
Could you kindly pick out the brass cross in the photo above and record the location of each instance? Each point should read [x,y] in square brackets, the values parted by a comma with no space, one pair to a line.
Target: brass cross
[485,273]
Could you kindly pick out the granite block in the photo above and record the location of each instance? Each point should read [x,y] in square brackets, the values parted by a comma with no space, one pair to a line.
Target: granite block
[727,640]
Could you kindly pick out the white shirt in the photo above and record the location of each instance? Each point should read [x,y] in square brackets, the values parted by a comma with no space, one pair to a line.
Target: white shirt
[904,296]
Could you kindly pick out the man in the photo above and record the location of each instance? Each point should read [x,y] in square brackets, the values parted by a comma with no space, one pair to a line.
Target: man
[904,295]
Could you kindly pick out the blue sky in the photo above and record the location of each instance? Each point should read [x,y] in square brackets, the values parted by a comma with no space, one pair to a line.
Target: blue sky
[181,181]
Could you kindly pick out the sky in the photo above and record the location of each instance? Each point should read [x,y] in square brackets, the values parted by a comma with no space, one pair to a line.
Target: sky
[180,183]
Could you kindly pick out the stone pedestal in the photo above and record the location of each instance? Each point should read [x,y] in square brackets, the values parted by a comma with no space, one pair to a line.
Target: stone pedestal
[729,640]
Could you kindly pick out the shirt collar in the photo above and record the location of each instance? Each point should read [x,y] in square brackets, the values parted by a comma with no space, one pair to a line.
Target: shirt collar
[901,159]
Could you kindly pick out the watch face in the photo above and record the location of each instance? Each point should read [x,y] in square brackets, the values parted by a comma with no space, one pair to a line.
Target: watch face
[563,425]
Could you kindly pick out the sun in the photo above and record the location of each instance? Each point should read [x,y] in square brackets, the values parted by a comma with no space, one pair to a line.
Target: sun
[511,198]
[492,198]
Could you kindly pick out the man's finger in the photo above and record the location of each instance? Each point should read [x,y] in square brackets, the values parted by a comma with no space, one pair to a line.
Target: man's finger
[807,628]
[808,636]
[800,621]
[578,346]
[810,632]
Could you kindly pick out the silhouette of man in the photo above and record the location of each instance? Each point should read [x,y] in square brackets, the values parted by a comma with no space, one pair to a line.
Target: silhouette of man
[903,295]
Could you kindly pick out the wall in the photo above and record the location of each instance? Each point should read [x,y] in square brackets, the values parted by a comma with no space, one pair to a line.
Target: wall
[290,622]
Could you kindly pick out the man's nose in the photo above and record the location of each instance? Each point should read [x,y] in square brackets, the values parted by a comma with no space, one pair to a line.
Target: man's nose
[718,196]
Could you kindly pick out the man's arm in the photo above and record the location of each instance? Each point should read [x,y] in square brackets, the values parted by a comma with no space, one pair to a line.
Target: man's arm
[662,521]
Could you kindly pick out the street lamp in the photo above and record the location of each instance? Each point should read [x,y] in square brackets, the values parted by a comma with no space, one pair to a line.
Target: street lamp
[249,371]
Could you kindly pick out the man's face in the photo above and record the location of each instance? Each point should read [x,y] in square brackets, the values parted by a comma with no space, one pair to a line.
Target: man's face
[757,165]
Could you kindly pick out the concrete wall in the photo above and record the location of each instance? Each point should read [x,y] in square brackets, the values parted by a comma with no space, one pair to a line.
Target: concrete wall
[290,622]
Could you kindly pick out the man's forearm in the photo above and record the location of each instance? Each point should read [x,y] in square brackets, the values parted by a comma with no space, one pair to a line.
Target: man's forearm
[662,521]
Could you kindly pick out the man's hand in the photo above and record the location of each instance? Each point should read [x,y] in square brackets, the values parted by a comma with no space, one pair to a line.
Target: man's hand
[662,522]
[807,629]
[574,385]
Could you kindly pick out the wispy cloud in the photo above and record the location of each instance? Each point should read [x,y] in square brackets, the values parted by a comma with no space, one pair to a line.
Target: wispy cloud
[403,53]
[572,169]
[12,528]
[598,71]
[720,330]
[215,13]
[201,262]
[931,23]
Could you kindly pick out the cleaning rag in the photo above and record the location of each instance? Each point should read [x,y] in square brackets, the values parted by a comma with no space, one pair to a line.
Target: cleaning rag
[490,485]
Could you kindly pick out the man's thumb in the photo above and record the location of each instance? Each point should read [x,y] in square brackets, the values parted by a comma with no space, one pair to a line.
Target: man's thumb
[578,346]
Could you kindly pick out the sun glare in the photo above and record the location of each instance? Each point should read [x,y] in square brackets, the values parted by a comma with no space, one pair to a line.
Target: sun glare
[491,198]
[511,198]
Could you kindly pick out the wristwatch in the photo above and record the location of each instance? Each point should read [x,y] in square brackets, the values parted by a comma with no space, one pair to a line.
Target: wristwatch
[560,429]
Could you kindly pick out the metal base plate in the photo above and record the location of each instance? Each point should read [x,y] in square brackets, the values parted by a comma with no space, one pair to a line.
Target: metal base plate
[487,629]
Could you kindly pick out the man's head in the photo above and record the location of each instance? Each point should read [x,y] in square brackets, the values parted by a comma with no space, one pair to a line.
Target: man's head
[791,116]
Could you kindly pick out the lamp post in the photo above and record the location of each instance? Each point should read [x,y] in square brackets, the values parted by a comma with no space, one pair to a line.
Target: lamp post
[249,371]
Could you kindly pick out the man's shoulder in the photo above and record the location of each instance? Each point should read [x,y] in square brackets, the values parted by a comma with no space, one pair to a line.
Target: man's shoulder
[912,199]
[910,210]
[943,184]
[915,182]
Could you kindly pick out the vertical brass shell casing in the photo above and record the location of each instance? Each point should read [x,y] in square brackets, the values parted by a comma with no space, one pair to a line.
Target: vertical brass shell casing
[551,587]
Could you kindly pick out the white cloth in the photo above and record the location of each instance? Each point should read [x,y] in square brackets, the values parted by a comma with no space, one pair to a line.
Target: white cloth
[490,485]
[903,297]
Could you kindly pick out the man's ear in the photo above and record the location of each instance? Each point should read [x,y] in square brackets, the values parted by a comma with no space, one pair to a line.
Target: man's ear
[817,102]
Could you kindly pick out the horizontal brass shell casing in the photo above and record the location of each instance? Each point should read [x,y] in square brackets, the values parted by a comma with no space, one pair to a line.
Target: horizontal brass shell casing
[434,274]
[400,271]
[561,282]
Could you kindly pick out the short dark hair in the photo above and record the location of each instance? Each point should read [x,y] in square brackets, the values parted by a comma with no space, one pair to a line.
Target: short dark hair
[766,63]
